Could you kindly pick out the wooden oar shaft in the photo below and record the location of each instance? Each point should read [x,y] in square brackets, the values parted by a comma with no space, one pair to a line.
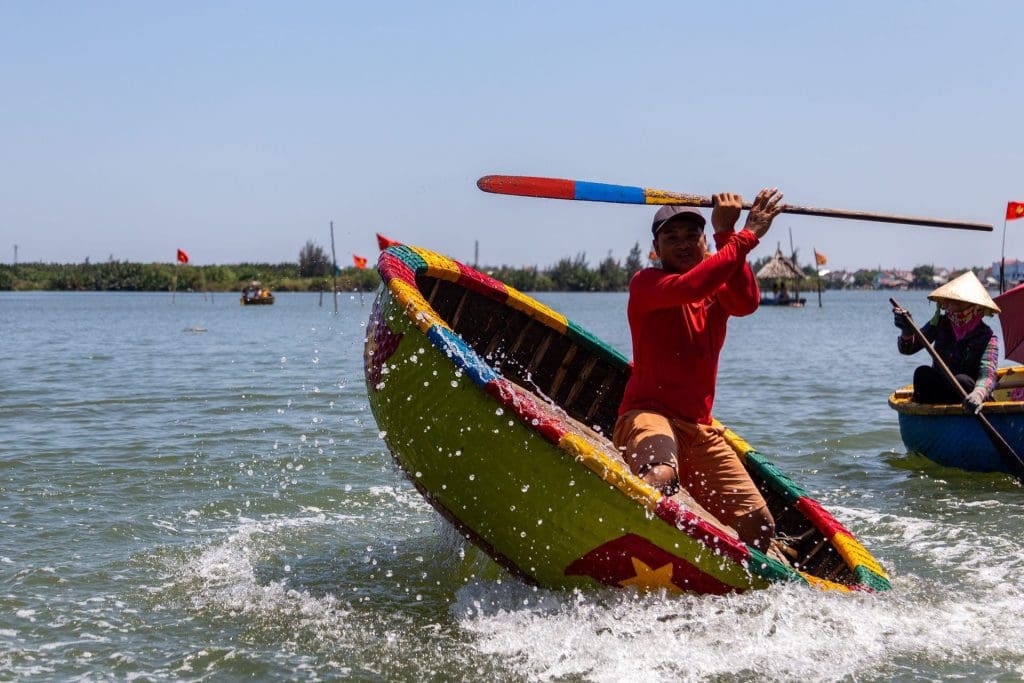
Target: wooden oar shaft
[557,188]
[1010,457]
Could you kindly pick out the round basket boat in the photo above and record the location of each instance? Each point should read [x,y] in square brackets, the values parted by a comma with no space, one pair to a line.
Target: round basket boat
[948,436]
[499,411]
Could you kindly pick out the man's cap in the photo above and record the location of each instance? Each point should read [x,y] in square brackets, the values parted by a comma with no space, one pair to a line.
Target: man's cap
[966,288]
[672,212]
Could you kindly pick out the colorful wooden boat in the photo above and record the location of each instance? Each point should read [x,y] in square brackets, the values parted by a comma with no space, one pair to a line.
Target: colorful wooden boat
[255,294]
[950,437]
[498,409]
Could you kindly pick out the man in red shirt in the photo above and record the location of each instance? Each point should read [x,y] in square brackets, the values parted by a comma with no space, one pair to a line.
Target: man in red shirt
[677,318]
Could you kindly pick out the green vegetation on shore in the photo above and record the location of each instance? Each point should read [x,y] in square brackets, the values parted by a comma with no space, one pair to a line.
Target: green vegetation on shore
[162,277]
[312,274]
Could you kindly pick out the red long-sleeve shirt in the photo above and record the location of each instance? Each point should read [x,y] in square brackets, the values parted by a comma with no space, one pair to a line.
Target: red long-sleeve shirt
[677,322]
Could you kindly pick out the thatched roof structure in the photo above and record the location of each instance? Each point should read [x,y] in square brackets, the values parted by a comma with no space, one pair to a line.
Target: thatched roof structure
[779,268]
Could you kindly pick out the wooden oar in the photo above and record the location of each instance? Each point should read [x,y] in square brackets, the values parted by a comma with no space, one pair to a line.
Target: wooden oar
[1005,450]
[555,188]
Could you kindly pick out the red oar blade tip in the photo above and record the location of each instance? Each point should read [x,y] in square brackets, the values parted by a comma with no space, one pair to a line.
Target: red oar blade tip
[527,186]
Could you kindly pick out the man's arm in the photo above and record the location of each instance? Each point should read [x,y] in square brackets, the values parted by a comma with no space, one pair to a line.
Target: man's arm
[652,289]
[740,294]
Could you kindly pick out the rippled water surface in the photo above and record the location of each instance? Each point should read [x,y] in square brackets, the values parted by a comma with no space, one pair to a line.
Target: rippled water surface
[196,490]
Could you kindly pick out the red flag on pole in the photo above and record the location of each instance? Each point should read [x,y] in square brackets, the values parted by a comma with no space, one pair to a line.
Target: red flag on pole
[1014,210]
[360,261]
[384,242]
[819,258]
[182,256]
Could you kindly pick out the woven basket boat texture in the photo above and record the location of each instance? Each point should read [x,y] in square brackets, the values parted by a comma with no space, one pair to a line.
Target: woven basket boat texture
[500,409]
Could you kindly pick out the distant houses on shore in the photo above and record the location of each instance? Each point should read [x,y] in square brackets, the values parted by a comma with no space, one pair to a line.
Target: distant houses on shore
[921,277]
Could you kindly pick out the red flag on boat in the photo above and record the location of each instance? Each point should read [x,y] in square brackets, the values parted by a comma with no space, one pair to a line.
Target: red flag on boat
[385,242]
[1014,210]
[819,258]
[182,256]
[360,261]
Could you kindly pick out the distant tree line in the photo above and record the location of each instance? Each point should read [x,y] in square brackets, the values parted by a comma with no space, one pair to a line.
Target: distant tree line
[312,273]
[573,274]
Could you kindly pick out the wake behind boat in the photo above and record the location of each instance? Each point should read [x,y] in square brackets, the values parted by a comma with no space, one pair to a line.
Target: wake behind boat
[499,408]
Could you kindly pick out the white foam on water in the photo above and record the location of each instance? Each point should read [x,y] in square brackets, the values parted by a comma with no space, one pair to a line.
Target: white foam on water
[962,606]
[955,601]
[227,577]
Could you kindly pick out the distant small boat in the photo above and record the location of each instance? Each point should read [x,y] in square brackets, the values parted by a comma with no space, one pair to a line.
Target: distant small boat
[255,294]
[784,277]
[498,409]
[773,301]
[947,435]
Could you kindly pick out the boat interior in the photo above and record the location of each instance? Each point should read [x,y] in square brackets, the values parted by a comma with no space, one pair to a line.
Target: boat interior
[1007,397]
[584,387]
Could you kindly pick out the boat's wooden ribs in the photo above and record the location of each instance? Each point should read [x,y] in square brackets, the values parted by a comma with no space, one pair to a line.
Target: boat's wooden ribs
[524,333]
[599,395]
[454,322]
[433,293]
[815,554]
[563,368]
[530,353]
[538,355]
[581,381]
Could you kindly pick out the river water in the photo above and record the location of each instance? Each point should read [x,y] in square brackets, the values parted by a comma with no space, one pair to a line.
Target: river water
[196,490]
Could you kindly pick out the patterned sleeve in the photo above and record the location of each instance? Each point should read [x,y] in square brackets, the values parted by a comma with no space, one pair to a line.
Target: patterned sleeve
[989,365]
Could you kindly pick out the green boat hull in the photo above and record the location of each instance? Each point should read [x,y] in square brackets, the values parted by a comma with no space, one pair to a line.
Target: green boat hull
[522,477]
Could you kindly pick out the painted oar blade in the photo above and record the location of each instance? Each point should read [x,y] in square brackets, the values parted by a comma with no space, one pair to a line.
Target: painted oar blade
[527,186]
[557,188]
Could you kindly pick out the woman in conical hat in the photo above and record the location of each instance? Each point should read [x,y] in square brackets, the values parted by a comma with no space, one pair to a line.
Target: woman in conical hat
[963,340]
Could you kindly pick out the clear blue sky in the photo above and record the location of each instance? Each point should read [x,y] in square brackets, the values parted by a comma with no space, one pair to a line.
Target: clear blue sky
[238,130]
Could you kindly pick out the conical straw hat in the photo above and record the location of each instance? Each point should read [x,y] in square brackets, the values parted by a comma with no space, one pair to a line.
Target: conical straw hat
[966,288]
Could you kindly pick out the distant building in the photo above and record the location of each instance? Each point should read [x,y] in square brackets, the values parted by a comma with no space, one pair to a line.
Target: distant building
[894,279]
[1014,271]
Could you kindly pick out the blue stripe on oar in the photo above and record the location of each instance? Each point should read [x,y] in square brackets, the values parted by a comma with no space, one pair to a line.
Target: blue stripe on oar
[603,192]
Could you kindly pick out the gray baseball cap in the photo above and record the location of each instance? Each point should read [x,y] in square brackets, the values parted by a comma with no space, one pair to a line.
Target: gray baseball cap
[672,212]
